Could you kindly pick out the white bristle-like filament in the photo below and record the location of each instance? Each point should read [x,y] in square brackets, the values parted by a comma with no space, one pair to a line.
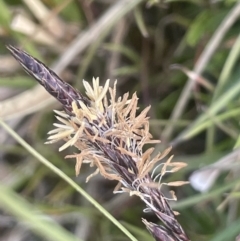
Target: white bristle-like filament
[61,113]
[63,126]
[61,135]
[66,145]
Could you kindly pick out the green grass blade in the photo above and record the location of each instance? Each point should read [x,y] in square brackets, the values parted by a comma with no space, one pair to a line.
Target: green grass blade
[66,178]
[40,224]
[217,106]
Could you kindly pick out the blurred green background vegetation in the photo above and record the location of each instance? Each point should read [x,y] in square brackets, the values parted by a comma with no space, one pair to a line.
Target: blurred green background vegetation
[181,57]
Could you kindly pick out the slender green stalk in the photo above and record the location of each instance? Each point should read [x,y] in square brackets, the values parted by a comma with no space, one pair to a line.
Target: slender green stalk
[66,178]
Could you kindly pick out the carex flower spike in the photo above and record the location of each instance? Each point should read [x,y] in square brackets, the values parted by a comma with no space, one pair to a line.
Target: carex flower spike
[110,136]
